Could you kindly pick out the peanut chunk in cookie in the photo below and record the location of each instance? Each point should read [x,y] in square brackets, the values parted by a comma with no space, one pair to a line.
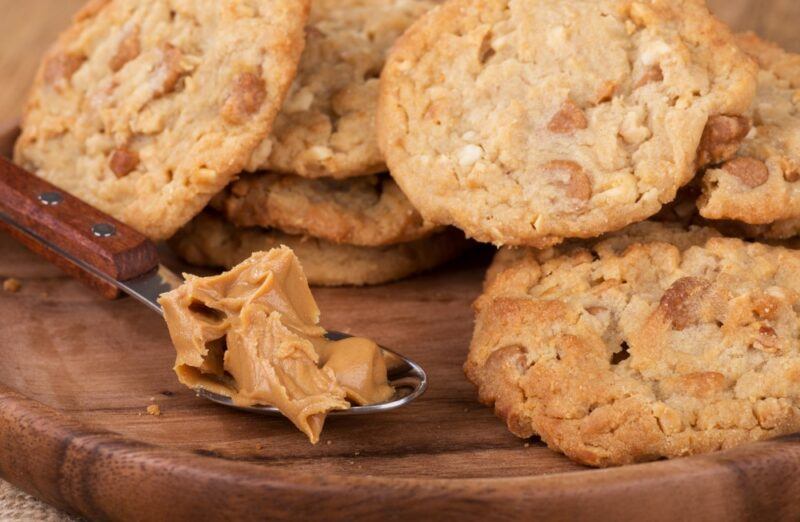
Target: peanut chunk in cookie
[701,384]
[246,96]
[129,48]
[62,67]
[680,302]
[578,185]
[750,171]
[721,138]
[170,71]
[767,340]
[568,119]
[123,161]
[653,74]
[605,92]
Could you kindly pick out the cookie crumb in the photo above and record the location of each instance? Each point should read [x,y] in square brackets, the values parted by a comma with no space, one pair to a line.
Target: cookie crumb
[154,410]
[357,453]
[328,442]
[526,445]
[12,285]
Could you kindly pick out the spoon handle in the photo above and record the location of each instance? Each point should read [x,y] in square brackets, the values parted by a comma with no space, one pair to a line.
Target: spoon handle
[53,223]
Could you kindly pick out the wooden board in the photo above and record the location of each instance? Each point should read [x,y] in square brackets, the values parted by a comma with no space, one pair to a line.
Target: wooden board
[77,373]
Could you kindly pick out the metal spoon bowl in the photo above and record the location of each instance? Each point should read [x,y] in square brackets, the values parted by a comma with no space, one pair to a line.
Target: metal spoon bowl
[407,377]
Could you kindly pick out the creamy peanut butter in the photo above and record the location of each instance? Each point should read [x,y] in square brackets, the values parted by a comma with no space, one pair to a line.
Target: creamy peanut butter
[253,334]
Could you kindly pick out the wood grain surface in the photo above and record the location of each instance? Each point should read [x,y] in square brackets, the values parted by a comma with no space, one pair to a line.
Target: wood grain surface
[77,374]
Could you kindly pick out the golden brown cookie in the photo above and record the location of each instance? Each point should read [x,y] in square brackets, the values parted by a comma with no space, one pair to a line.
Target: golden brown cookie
[327,125]
[656,342]
[524,123]
[147,108]
[363,211]
[761,185]
[208,240]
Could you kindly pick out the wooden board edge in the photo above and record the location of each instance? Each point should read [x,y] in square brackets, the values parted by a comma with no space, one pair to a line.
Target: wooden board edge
[103,475]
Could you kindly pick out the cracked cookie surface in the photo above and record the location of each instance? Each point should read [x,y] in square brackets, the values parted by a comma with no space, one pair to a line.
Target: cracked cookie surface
[147,109]
[761,185]
[327,125]
[362,211]
[526,122]
[656,342]
[209,240]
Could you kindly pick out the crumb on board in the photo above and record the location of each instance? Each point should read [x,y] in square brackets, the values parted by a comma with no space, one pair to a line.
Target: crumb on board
[154,410]
[527,445]
[12,285]
[328,442]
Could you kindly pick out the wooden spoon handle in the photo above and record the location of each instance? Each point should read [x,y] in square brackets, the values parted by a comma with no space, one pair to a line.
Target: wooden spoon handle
[52,216]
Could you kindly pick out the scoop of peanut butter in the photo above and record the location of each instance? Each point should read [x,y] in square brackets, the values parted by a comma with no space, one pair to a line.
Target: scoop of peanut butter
[253,334]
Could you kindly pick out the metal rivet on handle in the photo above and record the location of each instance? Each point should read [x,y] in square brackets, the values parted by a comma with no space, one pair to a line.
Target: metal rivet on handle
[50,198]
[104,230]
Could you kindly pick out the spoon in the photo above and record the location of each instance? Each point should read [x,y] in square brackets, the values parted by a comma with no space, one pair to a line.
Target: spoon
[114,259]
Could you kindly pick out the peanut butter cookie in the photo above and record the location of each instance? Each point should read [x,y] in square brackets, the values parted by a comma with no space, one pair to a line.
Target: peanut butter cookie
[209,240]
[327,125]
[147,108]
[524,123]
[656,342]
[363,211]
[761,185]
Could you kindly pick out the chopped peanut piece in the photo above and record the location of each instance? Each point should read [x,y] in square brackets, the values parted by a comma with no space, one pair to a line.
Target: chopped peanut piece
[12,285]
[750,171]
[568,119]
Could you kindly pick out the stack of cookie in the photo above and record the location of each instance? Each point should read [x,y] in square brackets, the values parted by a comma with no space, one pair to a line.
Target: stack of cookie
[148,109]
[545,124]
[318,183]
